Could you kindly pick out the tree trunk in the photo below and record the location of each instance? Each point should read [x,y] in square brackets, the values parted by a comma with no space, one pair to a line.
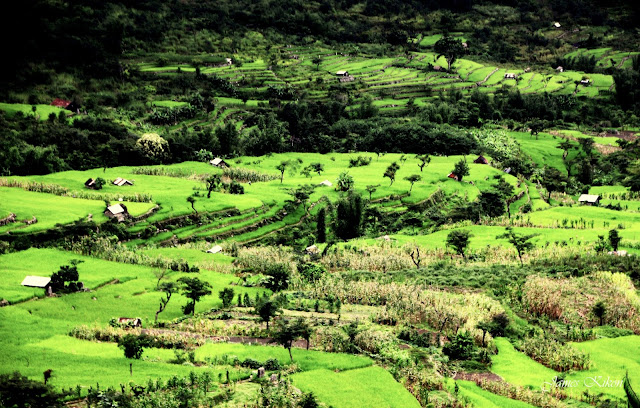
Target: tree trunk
[290,356]
[131,369]
[308,341]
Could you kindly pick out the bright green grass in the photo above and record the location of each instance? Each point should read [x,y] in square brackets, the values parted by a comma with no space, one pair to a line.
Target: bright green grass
[42,111]
[543,149]
[485,399]
[169,104]
[44,262]
[50,209]
[169,192]
[611,358]
[305,359]
[610,141]
[601,217]
[366,387]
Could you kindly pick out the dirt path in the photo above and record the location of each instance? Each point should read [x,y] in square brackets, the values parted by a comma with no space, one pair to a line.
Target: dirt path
[477,376]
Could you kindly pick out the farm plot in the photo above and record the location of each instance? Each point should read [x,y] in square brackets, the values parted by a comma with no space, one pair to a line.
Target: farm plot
[611,358]
[365,387]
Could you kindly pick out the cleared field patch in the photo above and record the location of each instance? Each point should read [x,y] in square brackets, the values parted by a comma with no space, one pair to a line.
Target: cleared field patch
[610,358]
[365,387]
[485,399]
[44,262]
[42,111]
[50,209]
[306,359]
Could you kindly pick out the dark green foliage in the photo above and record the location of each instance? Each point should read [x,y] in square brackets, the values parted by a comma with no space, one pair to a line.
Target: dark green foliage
[285,334]
[450,48]
[277,277]
[349,216]
[390,172]
[321,227]
[461,169]
[194,289]
[520,242]
[344,182]
[492,203]
[311,272]
[632,397]
[266,309]
[614,239]
[132,346]
[66,279]
[599,310]
[226,295]
[414,178]
[18,391]
[459,240]
[460,348]
[553,180]
[308,400]
[359,161]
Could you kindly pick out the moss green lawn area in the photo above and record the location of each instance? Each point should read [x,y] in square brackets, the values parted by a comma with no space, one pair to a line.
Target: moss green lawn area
[611,358]
[365,387]
[485,399]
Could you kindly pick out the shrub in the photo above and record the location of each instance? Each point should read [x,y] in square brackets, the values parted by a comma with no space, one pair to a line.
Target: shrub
[460,347]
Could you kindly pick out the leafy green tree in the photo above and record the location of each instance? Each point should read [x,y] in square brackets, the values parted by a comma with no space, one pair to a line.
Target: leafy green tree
[450,48]
[459,240]
[344,182]
[425,159]
[536,127]
[491,203]
[565,145]
[18,391]
[460,347]
[553,180]
[391,172]
[266,309]
[65,280]
[349,216]
[277,277]
[372,189]
[194,289]
[226,295]
[414,178]
[321,228]
[99,183]
[191,200]
[614,239]
[282,167]
[133,347]
[599,310]
[303,329]
[154,147]
[461,169]
[213,183]
[520,242]
[485,327]
[317,61]
[286,333]
[169,288]
[308,400]
[228,138]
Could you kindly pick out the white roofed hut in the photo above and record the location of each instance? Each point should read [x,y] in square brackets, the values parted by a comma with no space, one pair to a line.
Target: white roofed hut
[510,75]
[326,183]
[38,282]
[218,162]
[117,211]
[214,250]
[311,250]
[589,199]
[122,182]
